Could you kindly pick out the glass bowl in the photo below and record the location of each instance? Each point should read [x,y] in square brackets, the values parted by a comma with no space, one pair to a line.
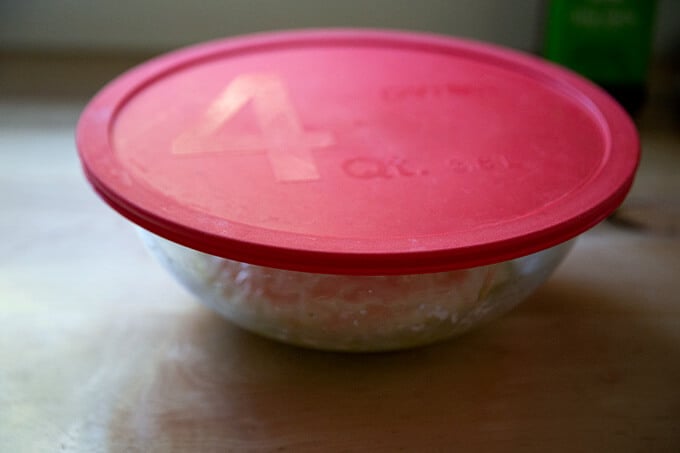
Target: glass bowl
[349,312]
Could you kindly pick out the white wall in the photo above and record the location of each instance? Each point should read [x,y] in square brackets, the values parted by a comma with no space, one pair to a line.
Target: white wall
[155,25]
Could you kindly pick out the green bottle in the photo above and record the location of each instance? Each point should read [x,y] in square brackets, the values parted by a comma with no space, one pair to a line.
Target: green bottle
[608,41]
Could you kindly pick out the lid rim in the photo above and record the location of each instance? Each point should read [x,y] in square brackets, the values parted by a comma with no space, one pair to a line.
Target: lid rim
[328,262]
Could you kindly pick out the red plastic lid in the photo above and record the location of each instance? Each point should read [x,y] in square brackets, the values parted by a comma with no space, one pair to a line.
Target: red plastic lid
[358,152]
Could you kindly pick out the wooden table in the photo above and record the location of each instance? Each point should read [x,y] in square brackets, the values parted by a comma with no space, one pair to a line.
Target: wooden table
[100,350]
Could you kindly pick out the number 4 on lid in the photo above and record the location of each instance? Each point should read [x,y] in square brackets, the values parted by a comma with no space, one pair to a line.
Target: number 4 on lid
[288,146]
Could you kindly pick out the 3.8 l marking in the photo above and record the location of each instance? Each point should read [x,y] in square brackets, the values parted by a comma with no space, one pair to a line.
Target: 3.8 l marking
[482,163]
